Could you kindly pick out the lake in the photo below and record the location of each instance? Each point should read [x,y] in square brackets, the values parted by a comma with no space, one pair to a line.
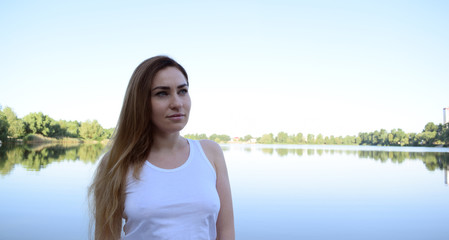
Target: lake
[279,191]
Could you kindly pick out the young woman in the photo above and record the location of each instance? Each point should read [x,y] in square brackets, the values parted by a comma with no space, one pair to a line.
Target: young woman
[163,185]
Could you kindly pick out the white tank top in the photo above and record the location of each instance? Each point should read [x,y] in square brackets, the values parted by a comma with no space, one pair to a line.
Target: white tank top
[179,203]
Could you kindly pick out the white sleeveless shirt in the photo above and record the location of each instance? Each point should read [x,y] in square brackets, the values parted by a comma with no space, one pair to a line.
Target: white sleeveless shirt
[179,203]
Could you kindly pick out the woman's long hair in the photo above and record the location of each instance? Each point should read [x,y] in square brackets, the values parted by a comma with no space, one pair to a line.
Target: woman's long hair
[129,147]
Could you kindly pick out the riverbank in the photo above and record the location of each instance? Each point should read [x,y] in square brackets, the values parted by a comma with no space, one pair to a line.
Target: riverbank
[40,139]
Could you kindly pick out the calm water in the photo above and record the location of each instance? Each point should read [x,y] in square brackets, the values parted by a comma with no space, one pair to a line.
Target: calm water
[279,192]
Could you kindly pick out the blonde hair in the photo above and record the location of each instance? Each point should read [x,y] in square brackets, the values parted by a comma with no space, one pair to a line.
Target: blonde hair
[129,147]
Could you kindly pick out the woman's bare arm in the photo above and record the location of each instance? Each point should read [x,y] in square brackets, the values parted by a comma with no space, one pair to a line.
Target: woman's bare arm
[225,221]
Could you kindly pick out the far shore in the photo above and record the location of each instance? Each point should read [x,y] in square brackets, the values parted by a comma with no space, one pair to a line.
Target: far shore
[37,139]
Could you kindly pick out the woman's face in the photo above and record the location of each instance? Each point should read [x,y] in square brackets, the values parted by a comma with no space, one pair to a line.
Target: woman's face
[170,101]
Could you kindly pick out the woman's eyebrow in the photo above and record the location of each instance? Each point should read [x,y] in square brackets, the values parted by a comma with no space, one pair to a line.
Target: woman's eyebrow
[168,88]
[161,87]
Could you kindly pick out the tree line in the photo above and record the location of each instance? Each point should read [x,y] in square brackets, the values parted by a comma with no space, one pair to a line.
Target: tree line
[12,127]
[431,135]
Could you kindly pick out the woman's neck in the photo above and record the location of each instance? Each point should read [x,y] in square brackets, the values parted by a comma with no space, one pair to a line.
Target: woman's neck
[167,141]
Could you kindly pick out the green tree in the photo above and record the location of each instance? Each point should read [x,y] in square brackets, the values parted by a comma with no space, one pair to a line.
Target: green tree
[319,139]
[383,137]
[413,139]
[299,138]
[400,137]
[247,138]
[282,137]
[91,130]
[4,126]
[440,133]
[291,139]
[364,138]
[427,138]
[332,140]
[220,138]
[445,137]
[310,138]
[196,136]
[348,140]
[73,129]
[16,126]
[339,140]
[429,134]
[110,131]
[430,127]
[267,139]
[37,123]
[326,140]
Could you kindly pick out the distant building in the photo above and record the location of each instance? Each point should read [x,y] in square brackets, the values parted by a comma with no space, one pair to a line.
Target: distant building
[445,115]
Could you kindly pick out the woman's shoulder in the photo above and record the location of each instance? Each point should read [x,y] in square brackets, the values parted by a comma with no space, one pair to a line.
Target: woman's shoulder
[210,146]
[213,152]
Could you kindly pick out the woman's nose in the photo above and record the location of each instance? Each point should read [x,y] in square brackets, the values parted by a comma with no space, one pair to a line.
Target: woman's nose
[175,102]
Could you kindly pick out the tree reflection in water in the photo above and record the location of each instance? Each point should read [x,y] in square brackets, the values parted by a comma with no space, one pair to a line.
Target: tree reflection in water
[432,160]
[36,157]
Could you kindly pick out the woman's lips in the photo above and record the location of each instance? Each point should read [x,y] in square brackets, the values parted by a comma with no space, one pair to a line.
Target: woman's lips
[177,116]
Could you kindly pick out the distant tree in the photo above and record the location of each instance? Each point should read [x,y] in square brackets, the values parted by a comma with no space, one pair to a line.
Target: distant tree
[429,134]
[267,139]
[364,137]
[427,138]
[375,137]
[247,138]
[291,139]
[326,140]
[4,126]
[310,138]
[16,126]
[220,138]
[358,140]
[339,140]
[37,123]
[430,127]
[383,137]
[390,139]
[196,136]
[400,137]
[445,137]
[299,138]
[73,129]
[282,137]
[348,140]
[413,139]
[108,133]
[319,139]
[332,140]
[91,130]
[440,133]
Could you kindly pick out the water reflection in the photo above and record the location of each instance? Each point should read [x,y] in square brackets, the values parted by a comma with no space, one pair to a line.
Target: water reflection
[445,174]
[433,160]
[36,157]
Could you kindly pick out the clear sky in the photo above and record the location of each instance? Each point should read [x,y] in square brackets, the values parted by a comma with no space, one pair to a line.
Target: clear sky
[330,67]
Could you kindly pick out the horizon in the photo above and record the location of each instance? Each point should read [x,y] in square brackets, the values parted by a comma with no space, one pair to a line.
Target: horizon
[257,136]
[335,68]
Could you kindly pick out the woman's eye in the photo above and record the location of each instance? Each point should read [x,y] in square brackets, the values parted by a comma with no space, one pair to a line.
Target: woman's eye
[183,91]
[160,94]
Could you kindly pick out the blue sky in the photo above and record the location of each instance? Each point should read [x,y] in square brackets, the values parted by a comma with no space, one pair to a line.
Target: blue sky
[330,67]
